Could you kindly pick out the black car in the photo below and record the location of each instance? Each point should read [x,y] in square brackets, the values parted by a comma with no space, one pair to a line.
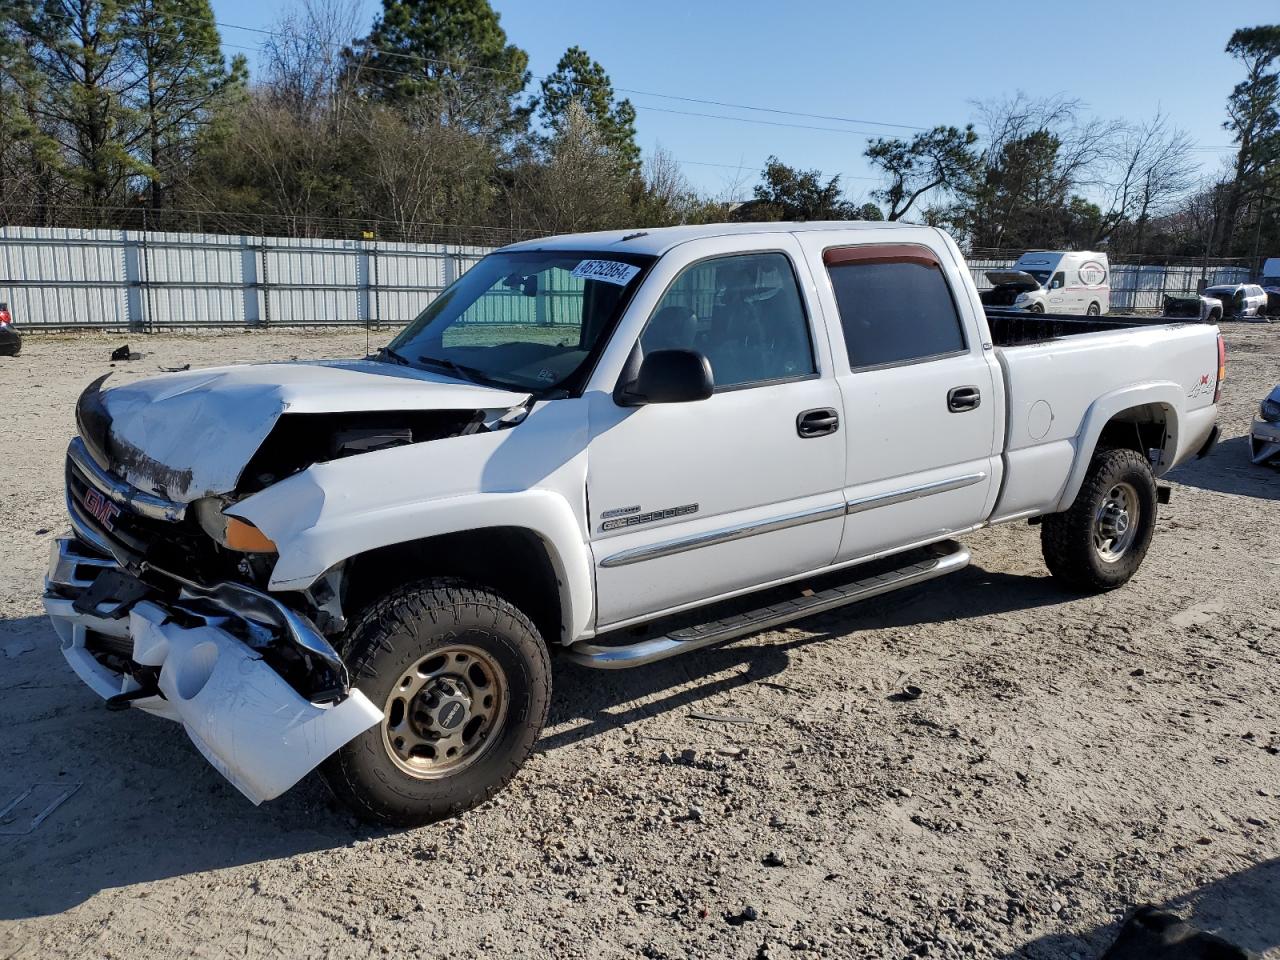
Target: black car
[10,339]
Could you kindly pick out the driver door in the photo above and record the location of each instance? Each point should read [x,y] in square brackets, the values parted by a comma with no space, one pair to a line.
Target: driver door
[691,501]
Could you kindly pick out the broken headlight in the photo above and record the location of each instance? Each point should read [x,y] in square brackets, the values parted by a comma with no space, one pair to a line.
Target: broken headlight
[231,532]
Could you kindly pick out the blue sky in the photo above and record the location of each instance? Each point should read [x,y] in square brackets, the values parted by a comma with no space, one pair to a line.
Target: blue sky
[916,64]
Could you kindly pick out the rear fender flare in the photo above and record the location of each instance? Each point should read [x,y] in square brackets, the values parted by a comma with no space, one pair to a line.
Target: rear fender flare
[1102,411]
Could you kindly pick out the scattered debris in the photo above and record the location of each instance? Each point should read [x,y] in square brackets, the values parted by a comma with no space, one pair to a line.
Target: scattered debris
[185,366]
[123,353]
[32,807]
[746,915]
[722,718]
[1152,934]
[907,693]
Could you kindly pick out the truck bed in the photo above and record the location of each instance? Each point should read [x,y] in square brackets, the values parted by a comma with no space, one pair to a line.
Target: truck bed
[1016,328]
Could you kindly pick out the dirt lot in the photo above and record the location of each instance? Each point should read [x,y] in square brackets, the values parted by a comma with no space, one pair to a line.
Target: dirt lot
[1069,757]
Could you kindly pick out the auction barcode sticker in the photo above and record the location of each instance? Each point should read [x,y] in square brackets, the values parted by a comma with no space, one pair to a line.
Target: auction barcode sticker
[610,271]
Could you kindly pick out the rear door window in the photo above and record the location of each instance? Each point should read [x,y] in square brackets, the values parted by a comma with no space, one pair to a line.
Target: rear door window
[895,304]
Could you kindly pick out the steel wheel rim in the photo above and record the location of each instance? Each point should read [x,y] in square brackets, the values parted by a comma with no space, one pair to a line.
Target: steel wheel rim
[442,713]
[1115,524]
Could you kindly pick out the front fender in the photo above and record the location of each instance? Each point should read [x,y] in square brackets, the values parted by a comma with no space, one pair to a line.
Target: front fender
[532,477]
[1163,393]
[336,536]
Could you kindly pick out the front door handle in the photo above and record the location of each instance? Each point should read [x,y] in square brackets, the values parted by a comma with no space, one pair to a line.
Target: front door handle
[960,399]
[817,423]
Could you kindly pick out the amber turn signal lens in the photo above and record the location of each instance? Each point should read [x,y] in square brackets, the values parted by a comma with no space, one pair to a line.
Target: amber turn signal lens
[247,538]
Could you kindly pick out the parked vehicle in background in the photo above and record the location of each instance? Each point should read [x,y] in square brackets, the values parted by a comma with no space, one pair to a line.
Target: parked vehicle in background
[1264,438]
[1240,301]
[1270,283]
[1044,281]
[10,339]
[367,564]
[1197,307]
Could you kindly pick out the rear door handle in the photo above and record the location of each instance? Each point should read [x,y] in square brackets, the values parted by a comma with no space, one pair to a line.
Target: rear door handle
[817,423]
[960,399]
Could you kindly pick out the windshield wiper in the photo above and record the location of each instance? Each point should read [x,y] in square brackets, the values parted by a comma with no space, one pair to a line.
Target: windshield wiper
[470,374]
[391,355]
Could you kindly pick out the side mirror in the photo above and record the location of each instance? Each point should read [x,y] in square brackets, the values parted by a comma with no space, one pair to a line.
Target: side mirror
[1054,285]
[669,376]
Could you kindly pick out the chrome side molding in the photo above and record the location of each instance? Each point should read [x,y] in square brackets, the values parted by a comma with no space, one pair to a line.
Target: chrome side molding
[742,530]
[911,493]
[723,535]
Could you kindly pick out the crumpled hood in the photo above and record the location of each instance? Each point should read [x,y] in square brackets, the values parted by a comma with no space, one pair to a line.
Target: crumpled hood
[188,435]
[1013,278]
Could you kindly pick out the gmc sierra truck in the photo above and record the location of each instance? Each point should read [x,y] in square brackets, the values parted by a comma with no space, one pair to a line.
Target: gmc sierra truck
[615,447]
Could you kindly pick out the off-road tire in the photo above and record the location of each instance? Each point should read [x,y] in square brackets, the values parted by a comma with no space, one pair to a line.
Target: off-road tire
[1067,539]
[390,638]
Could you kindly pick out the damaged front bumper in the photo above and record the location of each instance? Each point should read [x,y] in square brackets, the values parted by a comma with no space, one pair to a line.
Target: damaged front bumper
[1264,441]
[197,655]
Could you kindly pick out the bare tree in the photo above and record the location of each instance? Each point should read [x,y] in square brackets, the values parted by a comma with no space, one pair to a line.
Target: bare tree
[302,59]
[1150,168]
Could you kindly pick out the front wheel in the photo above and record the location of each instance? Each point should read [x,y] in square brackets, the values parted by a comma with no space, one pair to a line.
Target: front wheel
[1094,310]
[464,682]
[1036,308]
[1099,542]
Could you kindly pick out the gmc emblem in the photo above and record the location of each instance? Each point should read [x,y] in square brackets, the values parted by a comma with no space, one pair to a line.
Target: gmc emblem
[100,508]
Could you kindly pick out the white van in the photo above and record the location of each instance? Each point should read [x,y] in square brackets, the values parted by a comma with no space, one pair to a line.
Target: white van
[1053,281]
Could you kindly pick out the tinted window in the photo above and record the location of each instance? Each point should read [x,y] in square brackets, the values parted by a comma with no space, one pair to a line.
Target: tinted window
[744,313]
[895,311]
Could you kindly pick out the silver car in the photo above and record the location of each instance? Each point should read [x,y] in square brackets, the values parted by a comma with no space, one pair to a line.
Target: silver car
[1240,301]
[1264,438]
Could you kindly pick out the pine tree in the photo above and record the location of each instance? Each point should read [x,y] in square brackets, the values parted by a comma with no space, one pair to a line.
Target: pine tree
[179,78]
[451,59]
[579,79]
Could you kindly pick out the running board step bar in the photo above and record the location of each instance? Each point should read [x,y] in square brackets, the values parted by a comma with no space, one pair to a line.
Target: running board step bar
[948,557]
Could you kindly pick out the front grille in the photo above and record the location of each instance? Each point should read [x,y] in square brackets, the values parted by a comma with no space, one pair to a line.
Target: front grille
[170,544]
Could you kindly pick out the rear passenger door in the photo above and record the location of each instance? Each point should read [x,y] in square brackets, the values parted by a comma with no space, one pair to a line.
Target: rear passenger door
[920,397]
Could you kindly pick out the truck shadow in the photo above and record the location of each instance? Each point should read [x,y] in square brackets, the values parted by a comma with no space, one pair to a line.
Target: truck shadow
[148,807]
[587,699]
[1228,470]
[1240,908]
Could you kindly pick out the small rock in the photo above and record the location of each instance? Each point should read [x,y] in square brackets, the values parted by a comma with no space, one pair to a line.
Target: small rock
[695,814]
[688,756]
[1138,672]
[1257,821]
[774,859]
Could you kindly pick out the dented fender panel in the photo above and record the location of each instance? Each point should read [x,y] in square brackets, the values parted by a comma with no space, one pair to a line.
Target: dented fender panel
[532,477]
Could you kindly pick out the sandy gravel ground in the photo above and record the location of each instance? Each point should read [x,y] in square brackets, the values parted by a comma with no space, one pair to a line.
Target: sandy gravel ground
[1069,757]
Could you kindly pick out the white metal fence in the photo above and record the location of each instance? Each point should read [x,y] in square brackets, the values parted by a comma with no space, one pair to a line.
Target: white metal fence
[62,279]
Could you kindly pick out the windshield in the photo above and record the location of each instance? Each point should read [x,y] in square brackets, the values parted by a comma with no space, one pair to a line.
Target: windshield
[1041,276]
[527,320]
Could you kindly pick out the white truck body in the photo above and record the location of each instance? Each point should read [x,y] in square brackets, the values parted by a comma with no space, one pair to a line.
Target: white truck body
[641,511]
[1062,282]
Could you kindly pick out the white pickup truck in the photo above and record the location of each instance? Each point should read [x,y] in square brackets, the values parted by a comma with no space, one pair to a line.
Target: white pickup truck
[613,446]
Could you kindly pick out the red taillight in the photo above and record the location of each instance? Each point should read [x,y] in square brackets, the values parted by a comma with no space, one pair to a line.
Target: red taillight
[1222,368]
[4,317]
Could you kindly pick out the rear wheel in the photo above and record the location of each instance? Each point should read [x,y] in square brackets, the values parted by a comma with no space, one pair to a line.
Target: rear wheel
[464,681]
[1100,541]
